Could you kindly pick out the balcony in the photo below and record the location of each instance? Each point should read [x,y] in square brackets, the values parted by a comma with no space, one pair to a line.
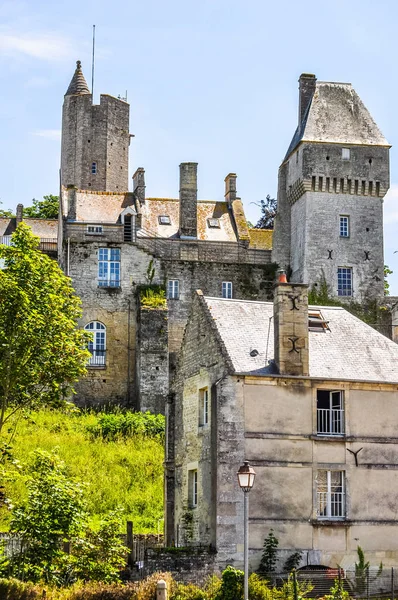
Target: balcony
[330,421]
[97,359]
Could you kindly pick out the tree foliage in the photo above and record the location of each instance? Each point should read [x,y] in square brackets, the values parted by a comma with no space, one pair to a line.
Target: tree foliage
[53,513]
[268,213]
[6,213]
[47,208]
[269,555]
[42,353]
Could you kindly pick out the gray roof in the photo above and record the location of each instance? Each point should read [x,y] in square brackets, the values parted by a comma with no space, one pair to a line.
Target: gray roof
[351,350]
[78,84]
[337,115]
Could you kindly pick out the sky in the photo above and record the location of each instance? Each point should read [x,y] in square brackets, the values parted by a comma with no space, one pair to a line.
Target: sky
[208,81]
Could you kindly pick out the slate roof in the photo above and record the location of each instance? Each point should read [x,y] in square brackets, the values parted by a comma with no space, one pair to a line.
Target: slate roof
[78,84]
[351,350]
[336,114]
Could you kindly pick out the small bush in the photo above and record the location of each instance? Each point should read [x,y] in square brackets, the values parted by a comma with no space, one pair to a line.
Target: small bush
[153,296]
[146,589]
[11,589]
[112,427]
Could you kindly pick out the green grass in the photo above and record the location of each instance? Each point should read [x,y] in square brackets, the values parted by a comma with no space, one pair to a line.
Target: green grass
[126,472]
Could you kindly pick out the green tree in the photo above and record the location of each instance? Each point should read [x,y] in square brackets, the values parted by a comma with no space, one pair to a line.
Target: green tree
[100,555]
[53,513]
[268,213]
[269,555]
[47,208]
[42,353]
[387,272]
[4,213]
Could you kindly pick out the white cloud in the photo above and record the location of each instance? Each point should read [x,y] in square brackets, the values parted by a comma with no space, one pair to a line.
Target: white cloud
[50,134]
[43,46]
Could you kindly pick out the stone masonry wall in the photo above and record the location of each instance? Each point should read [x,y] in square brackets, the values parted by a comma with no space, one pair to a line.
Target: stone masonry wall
[152,362]
[215,450]
[116,308]
[95,133]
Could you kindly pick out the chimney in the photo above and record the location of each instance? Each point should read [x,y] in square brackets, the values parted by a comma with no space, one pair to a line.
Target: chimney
[307,84]
[291,327]
[230,188]
[188,200]
[19,213]
[139,185]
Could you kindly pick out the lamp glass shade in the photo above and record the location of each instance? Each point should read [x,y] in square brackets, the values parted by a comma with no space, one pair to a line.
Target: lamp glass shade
[246,476]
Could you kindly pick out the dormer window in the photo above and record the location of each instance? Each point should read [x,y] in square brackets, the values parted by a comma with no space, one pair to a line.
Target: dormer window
[213,223]
[164,220]
[94,229]
[316,321]
[345,153]
[94,168]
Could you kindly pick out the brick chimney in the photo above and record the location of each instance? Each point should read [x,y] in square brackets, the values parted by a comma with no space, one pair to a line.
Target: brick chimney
[291,327]
[307,83]
[139,185]
[230,188]
[188,200]
[19,213]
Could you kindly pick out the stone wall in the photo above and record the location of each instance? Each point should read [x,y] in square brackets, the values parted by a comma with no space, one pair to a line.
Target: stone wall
[116,308]
[95,134]
[152,359]
[193,565]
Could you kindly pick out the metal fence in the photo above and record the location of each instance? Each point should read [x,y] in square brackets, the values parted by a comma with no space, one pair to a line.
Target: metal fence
[317,582]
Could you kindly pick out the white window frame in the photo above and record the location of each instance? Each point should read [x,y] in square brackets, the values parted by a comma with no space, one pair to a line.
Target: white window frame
[345,153]
[203,407]
[94,169]
[97,346]
[109,267]
[330,421]
[193,488]
[344,226]
[173,289]
[342,278]
[331,496]
[94,229]
[227,289]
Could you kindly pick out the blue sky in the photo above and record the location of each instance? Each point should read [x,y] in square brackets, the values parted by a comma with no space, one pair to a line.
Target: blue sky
[211,81]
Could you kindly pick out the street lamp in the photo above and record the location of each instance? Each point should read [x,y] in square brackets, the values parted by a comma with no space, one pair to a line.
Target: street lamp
[246,476]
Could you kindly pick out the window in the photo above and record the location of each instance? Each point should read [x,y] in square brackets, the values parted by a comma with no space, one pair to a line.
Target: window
[109,267]
[316,321]
[213,223]
[203,407]
[193,488]
[164,220]
[330,412]
[93,229]
[227,289]
[345,153]
[344,281]
[344,226]
[97,346]
[330,495]
[94,168]
[173,289]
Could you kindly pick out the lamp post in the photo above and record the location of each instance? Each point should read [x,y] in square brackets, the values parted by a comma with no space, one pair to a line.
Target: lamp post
[246,476]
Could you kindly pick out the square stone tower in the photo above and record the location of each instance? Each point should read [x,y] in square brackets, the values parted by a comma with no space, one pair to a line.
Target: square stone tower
[95,139]
[332,182]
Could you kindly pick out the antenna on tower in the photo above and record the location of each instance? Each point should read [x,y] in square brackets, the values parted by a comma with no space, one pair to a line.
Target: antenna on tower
[92,67]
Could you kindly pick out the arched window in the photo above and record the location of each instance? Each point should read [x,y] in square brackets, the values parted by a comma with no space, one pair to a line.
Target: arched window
[97,346]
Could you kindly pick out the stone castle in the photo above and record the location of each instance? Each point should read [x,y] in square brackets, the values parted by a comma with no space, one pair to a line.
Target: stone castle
[112,241]
[329,224]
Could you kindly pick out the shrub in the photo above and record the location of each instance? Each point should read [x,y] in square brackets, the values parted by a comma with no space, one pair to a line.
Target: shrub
[269,555]
[112,427]
[11,589]
[153,296]
[146,589]
[231,587]
[258,588]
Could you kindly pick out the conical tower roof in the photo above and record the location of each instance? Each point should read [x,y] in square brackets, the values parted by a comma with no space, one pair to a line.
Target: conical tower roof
[78,84]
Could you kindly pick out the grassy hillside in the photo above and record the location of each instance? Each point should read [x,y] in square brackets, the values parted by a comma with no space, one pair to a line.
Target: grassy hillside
[119,469]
